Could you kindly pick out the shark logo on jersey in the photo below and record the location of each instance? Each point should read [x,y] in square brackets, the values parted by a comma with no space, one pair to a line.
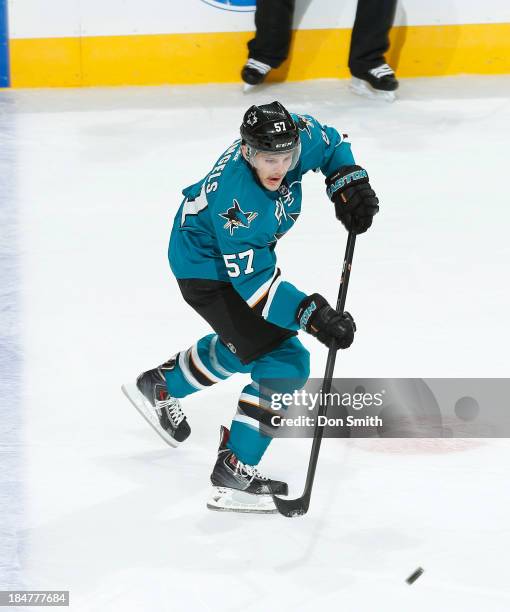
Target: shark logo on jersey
[237,218]
[304,124]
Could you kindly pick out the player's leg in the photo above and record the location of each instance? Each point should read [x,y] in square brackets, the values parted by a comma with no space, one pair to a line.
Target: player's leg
[156,392]
[265,350]
[283,370]
[370,41]
[270,46]
[237,484]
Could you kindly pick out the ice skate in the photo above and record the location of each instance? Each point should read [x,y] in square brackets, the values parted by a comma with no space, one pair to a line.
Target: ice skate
[149,395]
[378,83]
[238,487]
[254,73]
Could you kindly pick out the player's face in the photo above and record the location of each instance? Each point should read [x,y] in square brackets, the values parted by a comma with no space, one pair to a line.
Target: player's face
[271,168]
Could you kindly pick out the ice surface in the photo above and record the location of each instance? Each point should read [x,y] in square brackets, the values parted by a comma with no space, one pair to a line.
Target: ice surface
[90,182]
[11,453]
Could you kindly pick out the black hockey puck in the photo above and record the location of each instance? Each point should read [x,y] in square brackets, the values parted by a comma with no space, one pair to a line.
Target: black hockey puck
[415,575]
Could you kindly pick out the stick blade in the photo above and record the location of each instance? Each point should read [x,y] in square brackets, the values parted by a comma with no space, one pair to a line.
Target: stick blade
[292,507]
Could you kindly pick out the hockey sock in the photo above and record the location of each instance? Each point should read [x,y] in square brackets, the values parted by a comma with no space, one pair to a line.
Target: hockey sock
[201,366]
[247,443]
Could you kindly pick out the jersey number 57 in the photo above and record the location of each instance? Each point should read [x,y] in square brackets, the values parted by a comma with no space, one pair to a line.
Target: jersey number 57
[233,268]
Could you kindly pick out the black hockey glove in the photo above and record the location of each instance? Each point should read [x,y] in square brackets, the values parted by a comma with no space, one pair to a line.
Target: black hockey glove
[355,201]
[316,316]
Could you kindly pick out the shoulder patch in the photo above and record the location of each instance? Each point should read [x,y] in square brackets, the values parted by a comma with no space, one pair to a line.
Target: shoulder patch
[236,217]
[304,124]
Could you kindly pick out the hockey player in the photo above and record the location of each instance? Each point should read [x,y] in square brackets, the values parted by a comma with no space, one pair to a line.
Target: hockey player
[222,252]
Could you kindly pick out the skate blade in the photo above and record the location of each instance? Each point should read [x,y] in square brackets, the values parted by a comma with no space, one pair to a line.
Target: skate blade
[148,412]
[362,88]
[224,499]
[247,87]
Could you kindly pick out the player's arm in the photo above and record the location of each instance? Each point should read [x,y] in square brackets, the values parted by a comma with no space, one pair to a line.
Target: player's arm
[323,147]
[256,278]
[348,185]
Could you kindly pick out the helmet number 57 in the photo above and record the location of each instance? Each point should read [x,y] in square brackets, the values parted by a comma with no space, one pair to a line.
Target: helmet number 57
[279,126]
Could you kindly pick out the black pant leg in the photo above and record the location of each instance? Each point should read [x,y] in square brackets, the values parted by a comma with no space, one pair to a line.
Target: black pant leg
[238,326]
[273,23]
[370,35]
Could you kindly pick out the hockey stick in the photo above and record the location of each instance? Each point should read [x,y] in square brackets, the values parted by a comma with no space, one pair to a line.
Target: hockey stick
[299,506]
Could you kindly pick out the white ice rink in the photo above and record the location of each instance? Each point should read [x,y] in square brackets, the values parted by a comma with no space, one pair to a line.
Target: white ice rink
[94,502]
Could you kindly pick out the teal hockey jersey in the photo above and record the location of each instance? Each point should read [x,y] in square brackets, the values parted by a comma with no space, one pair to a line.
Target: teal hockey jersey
[228,225]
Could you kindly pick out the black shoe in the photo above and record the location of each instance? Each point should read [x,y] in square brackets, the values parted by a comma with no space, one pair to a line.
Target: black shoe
[254,72]
[162,411]
[238,487]
[379,82]
[381,78]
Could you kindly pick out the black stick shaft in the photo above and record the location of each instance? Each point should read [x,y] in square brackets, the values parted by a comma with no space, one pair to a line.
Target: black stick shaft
[330,365]
[299,506]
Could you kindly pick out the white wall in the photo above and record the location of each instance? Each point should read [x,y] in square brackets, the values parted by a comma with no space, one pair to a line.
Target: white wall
[57,18]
